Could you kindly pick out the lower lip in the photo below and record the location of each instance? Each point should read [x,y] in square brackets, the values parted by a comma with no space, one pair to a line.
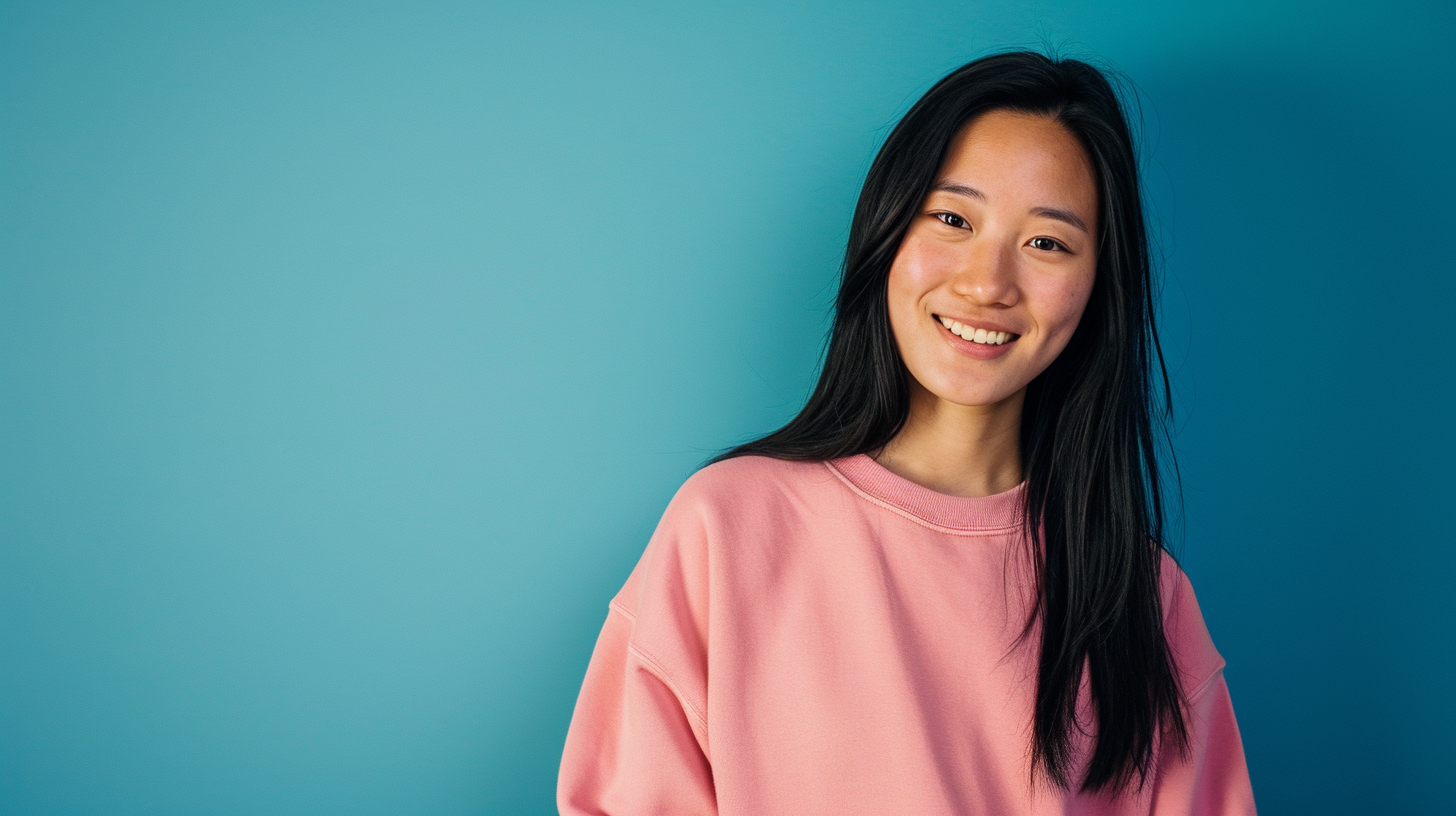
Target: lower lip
[981,351]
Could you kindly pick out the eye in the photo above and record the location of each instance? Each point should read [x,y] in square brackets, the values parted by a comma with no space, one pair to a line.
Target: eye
[951,219]
[1049,244]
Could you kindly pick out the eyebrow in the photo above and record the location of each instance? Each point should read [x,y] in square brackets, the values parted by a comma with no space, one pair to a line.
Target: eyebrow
[1066,216]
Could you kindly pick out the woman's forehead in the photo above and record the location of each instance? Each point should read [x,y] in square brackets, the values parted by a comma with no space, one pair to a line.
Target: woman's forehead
[1020,156]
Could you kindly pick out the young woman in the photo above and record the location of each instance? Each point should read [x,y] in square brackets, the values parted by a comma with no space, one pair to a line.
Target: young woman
[942,587]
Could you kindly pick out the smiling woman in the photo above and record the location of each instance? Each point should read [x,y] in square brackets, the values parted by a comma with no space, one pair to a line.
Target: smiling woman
[942,586]
[989,283]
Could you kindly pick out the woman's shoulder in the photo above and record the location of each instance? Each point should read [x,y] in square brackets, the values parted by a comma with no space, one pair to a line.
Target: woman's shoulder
[729,503]
[737,482]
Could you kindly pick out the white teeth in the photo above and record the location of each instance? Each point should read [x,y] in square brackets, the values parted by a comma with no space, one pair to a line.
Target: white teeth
[986,338]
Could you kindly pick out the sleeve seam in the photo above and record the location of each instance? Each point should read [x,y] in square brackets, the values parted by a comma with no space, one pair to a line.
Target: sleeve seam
[656,667]
[1204,686]
[659,671]
[617,605]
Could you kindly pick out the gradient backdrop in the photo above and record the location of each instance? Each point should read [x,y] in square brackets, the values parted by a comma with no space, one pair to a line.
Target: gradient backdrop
[350,353]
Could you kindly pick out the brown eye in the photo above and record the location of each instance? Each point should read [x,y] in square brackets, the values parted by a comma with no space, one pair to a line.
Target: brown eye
[1047,243]
[951,219]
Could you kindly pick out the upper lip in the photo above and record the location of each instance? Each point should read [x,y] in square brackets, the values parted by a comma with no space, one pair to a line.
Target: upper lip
[988,325]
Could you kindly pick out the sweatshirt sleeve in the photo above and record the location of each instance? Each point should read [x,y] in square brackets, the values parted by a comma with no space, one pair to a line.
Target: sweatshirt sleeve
[638,739]
[1212,778]
[633,746]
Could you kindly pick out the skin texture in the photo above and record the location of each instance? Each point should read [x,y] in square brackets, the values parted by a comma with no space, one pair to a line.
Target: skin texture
[991,260]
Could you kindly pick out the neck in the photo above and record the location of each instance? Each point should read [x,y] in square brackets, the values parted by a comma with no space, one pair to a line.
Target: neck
[961,450]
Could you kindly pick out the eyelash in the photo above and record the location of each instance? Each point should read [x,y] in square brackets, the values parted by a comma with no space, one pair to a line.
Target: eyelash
[1061,247]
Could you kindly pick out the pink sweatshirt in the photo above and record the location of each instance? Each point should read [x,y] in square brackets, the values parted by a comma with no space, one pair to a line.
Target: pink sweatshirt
[827,638]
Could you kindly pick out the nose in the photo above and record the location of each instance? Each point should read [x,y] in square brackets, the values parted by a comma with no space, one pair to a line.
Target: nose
[987,275]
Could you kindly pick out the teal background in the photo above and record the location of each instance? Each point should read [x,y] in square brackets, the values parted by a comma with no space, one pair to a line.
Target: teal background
[349,354]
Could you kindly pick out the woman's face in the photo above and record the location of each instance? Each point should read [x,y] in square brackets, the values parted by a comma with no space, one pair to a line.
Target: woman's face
[1002,250]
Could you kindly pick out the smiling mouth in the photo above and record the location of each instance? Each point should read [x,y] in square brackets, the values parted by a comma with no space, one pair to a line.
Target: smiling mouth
[975,335]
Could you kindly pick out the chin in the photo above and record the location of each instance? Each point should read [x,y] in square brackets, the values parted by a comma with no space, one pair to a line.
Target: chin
[980,396]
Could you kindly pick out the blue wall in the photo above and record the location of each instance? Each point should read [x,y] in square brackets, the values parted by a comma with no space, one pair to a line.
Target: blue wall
[349,355]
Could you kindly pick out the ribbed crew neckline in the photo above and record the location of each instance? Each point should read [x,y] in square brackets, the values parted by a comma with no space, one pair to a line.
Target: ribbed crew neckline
[882,486]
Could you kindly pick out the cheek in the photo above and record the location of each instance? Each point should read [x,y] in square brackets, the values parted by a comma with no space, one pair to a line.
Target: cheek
[1062,301]
[921,265]
[910,277]
[901,302]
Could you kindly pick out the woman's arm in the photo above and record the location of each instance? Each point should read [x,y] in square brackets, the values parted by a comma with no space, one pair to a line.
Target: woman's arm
[634,745]
[638,741]
[1213,778]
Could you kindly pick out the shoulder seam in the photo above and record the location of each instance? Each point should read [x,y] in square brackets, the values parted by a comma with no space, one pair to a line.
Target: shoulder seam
[657,669]
[614,604]
[1204,686]
[661,673]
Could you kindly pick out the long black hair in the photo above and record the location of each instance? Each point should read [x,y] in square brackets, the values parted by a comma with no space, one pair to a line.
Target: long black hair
[1089,421]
